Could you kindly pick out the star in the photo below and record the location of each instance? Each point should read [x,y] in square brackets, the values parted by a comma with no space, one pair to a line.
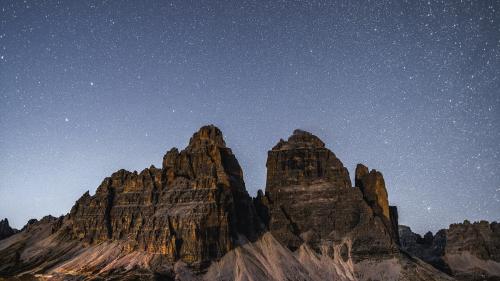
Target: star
[412,96]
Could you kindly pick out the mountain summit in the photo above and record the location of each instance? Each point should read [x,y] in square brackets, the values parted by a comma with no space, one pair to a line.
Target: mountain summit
[192,219]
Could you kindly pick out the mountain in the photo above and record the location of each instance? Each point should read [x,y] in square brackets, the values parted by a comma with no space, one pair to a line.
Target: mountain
[6,230]
[192,219]
[312,201]
[468,251]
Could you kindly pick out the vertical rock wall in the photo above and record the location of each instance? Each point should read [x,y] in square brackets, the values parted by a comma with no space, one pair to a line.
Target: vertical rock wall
[192,209]
[311,199]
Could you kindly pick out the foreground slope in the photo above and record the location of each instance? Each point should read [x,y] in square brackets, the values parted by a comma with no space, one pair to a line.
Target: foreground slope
[192,219]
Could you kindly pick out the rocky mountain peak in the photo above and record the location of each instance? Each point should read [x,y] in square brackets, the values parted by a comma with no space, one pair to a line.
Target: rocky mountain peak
[311,200]
[192,210]
[4,222]
[304,159]
[300,139]
[207,135]
[205,163]
[192,219]
[5,229]
[360,173]
[468,251]
[372,186]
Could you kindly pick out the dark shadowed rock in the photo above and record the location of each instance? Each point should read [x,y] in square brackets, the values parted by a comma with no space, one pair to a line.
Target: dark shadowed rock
[394,217]
[311,200]
[480,239]
[427,248]
[468,251]
[261,204]
[6,230]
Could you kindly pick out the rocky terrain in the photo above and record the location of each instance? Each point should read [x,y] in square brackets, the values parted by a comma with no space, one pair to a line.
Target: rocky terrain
[311,200]
[192,219]
[468,251]
[190,210]
[6,230]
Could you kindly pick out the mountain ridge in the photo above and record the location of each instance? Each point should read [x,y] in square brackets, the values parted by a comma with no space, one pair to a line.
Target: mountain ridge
[193,219]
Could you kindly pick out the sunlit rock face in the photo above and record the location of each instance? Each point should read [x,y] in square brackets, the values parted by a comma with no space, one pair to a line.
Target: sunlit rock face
[192,219]
[192,209]
[311,200]
[372,185]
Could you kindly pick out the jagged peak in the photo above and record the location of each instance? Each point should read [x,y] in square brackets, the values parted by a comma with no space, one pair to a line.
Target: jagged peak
[372,185]
[300,139]
[207,134]
[120,173]
[6,230]
[360,173]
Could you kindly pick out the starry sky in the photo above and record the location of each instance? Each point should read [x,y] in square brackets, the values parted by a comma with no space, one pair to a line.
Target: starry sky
[410,88]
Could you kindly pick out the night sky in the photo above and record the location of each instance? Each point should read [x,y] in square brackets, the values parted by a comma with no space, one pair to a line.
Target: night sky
[410,88]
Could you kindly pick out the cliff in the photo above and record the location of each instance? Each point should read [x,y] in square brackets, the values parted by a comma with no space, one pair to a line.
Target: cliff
[192,219]
[311,200]
[192,209]
[468,251]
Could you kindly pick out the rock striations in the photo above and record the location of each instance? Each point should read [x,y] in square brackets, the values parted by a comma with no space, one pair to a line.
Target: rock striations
[192,219]
[190,210]
[311,200]
[468,251]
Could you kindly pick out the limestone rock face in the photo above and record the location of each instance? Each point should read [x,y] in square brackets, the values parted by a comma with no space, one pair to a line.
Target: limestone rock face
[6,230]
[468,251]
[192,219]
[311,200]
[481,239]
[372,186]
[303,159]
[190,210]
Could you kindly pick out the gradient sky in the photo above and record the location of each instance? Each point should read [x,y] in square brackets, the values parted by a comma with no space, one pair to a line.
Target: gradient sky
[410,88]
